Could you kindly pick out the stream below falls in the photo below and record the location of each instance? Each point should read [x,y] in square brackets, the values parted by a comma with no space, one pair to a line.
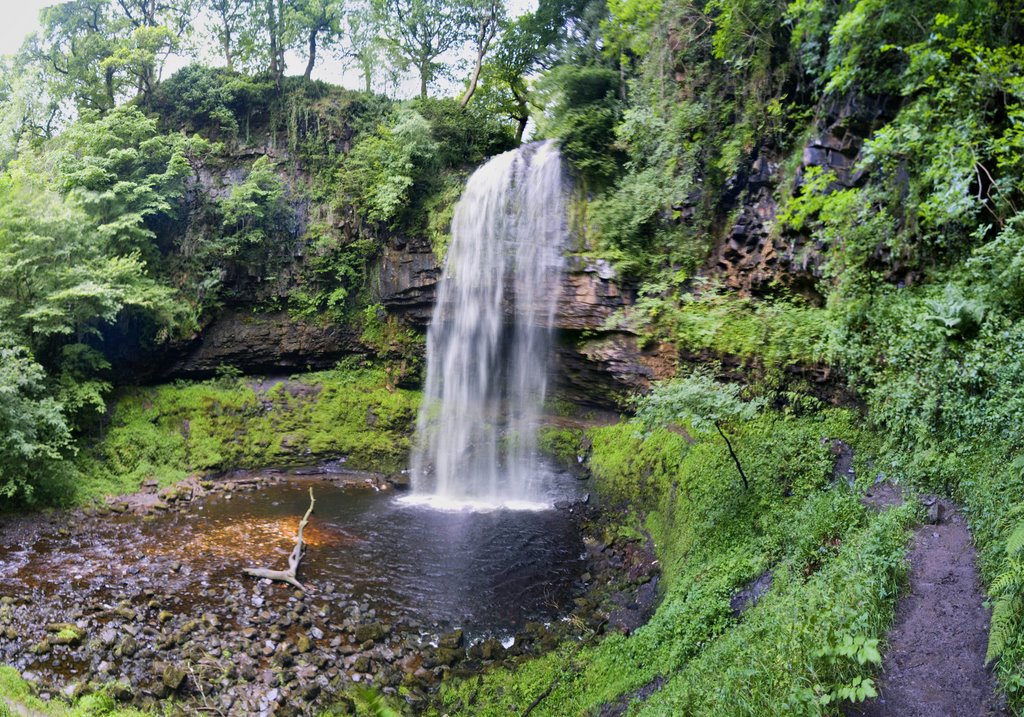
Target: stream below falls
[485,571]
[371,557]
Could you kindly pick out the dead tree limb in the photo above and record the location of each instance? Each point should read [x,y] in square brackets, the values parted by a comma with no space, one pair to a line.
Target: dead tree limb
[288,576]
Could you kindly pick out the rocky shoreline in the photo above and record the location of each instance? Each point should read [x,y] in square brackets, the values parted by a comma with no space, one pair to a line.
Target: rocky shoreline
[245,646]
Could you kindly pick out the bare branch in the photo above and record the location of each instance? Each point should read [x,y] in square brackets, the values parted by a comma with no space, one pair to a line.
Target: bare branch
[289,575]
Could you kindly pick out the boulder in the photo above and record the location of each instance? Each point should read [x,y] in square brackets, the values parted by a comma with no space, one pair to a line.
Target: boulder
[173,676]
[372,631]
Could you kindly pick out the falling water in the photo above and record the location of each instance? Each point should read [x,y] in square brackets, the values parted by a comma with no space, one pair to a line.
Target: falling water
[489,336]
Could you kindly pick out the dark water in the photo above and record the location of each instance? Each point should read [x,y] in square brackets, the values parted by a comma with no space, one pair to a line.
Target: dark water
[487,572]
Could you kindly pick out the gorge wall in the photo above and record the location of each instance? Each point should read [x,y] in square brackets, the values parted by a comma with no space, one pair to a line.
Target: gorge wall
[597,362]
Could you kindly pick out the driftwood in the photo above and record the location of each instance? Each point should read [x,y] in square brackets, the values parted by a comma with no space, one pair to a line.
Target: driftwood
[288,576]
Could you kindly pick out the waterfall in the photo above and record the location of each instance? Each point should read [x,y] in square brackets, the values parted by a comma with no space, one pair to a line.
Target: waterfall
[490,336]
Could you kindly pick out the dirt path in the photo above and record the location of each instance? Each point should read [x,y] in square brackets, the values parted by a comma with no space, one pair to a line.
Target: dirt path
[934,664]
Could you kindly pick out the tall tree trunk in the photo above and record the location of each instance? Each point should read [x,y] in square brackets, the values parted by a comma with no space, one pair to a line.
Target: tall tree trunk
[488,27]
[272,32]
[312,54]
[228,57]
[523,117]
[280,42]
[474,79]
[108,82]
[273,21]
[424,78]
[521,128]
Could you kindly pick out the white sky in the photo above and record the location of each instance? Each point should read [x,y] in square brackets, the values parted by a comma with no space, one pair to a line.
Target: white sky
[19,18]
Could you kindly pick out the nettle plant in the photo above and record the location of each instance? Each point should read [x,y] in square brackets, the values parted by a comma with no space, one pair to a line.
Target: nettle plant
[703,404]
[840,653]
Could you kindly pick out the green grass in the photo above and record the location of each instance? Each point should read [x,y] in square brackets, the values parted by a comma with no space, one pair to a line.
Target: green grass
[837,569]
[16,693]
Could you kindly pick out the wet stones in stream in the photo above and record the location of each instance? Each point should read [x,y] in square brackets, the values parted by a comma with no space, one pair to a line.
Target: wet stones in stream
[243,647]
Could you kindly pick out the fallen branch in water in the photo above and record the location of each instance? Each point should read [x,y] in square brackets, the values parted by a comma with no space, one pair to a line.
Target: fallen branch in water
[288,576]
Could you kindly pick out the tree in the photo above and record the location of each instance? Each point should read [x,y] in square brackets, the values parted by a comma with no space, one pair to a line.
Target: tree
[61,276]
[701,402]
[61,283]
[529,44]
[255,33]
[34,435]
[26,109]
[420,31]
[228,19]
[505,76]
[126,175]
[155,30]
[363,42]
[78,240]
[315,22]
[486,17]
[275,27]
[582,108]
[97,52]
[76,40]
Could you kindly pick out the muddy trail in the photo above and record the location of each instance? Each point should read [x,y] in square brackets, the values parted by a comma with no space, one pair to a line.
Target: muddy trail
[934,665]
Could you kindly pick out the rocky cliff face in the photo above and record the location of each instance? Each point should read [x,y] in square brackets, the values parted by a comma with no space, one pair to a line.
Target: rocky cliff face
[408,273]
[272,342]
[754,257]
[593,365]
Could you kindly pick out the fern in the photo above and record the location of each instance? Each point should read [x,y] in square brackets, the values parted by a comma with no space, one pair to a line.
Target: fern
[1009,581]
[1007,588]
[1016,540]
[1004,615]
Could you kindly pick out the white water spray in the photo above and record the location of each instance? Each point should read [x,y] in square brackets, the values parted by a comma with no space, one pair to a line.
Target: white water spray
[490,336]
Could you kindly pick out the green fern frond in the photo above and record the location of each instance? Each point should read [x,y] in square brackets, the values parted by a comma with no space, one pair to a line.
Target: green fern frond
[1016,540]
[1003,620]
[1010,582]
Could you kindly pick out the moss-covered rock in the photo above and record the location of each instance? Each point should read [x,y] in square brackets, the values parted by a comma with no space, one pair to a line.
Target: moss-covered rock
[169,432]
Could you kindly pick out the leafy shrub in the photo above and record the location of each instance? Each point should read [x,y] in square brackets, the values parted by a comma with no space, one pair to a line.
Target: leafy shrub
[34,435]
[700,403]
[582,111]
[382,173]
[254,210]
[197,98]
[464,137]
